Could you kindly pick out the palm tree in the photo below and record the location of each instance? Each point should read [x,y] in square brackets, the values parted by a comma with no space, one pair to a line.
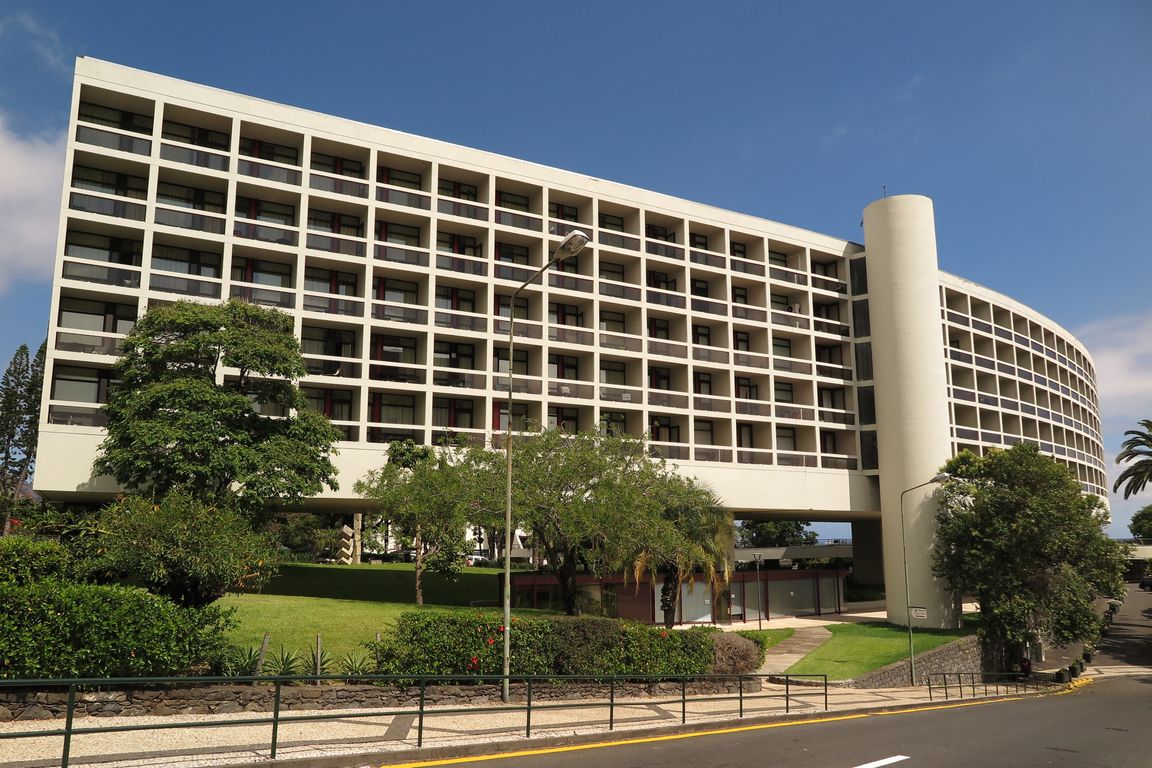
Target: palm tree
[1137,449]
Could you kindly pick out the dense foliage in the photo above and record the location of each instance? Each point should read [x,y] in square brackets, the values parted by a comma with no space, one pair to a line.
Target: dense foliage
[54,629]
[1136,452]
[1141,523]
[207,401]
[1015,531]
[24,560]
[460,646]
[775,533]
[188,551]
[20,389]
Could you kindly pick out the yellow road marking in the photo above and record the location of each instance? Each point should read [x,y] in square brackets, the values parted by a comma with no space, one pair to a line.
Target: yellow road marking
[676,736]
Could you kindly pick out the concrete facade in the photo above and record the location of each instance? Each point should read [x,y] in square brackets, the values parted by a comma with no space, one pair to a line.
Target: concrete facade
[801,375]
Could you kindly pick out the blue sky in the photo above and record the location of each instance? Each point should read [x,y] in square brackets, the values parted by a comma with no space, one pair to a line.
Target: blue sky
[1028,123]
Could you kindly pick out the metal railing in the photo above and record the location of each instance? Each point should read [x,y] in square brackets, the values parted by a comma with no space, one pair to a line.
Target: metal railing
[613,692]
[971,684]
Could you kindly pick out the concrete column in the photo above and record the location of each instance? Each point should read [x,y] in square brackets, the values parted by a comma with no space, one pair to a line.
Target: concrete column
[913,423]
[867,552]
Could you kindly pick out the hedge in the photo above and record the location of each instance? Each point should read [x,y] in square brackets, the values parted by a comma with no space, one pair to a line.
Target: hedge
[55,629]
[24,559]
[462,645]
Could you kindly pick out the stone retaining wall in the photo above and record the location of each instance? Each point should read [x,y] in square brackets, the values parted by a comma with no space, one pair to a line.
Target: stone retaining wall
[229,699]
[963,655]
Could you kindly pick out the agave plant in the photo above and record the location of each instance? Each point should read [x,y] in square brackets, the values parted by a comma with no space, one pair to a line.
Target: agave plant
[355,665]
[284,662]
[240,662]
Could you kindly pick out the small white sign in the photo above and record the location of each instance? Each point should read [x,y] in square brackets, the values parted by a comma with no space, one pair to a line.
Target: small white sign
[919,613]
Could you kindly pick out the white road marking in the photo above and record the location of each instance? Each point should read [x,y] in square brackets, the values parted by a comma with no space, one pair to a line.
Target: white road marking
[885,761]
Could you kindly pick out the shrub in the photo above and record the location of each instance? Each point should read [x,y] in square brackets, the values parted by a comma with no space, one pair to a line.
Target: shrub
[24,560]
[586,646]
[652,651]
[54,629]
[735,655]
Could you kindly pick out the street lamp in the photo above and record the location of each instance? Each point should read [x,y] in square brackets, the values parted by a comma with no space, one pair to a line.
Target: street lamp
[939,478]
[758,556]
[571,245]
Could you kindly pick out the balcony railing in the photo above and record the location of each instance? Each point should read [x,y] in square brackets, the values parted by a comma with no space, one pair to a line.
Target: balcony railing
[399,255]
[99,273]
[332,305]
[106,206]
[570,335]
[510,272]
[109,140]
[396,373]
[333,244]
[564,388]
[666,299]
[711,307]
[185,286]
[463,210]
[713,454]
[338,186]
[264,296]
[185,220]
[461,321]
[519,220]
[713,404]
[751,456]
[622,394]
[828,284]
[787,275]
[77,416]
[399,313]
[753,408]
[67,341]
[791,366]
[196,157]
[796,459]
[661,398]
[667,348]
[664,249]
[750,360]
[789,320]
[619,241]
[403,197]
[563,228]
[268,172]
[461,264]
[708,259]
[569,282]
[319,366]
[617,291]
[668,450]
[526,329]
[794,412]
[452,377]
[617,341]
[521,385]
[264,233]
[747,267]
[709,355]
[838,462]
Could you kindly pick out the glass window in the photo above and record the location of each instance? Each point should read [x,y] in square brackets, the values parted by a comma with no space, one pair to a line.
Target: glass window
[566,419]
[741,341]
[745,389]
[658,232]
[459,299]
[777,259]
[190,197]
[329,281]
[697,240]
[336,223]
[451,354]
[341,166]
[613,423]
[785,438]
[864,361]
[861,320]
[511,253]
[858,273]
[780,302]
[782,347]
[563,212]
[520,361]
[702,383]
[88,315]
[661,280]
[565,314]
[398,178]
[266,150]
[512,200]
[262,210]
[114,250]
[612,321]
[458,189]
[392,409]
[702,334]
[399,291]
[609,221]
[80,385]
[114,118]
[739,250]
[659,377]
[110,182]
[783,392]
[563,367]
[866,403]
[610,271]
[450,242]
[658,328]
[831,397]
[613,372]
[745,435]
[704,432]
[169,258]
[393,349]
[662,430]
[333,342]
[700,288]
[452,412]
[201,137]
[739,294]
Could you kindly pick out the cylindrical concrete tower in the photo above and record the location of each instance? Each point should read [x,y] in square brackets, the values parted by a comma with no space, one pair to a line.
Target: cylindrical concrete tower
[913,434]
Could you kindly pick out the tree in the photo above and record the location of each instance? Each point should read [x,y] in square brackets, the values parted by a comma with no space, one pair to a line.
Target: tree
[775,533]
[183,549]
[1141,523]
[207,402]
[1136,451]
[430,497]
[20,390]
[1015,531]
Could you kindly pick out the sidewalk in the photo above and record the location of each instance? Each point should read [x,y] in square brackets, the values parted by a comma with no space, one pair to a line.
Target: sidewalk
[352,741]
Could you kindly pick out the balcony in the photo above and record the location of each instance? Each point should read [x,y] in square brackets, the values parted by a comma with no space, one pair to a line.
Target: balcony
[747,267]
[399,313]
[664,299]
[713,454]
[744,312]
[521,385]
[461,322]
[838,462]
[109,140]
[664,249]
[707,259]
[404,198]
[269,172]
[332,305]
[196,221]
[509,272]
[616,291]
[461,264]
[338,186]
[332,244]
[790,320]
[622,395]
[184,286]
[750,456]
[76,416]
[711,307]
[463,210]
[104,206]
[829,284]
[710,355]
[749,360]
[619,342]
[569,282]
[565,388]
[318,366]
[264,296]
[834,372]
[795,412]
[568,335]
[401,255]
[264,233]
[523,329]
[564,228]
[662,398]
[828,326]
[519,220]
[837,417]
[668,450]
[713,404]
[454,377]
[667,349]
[787,276]
[753,408]
[796,460]
[619,241]
[88,344]
[98,273]
[791,366]
[396,373]
[196,157]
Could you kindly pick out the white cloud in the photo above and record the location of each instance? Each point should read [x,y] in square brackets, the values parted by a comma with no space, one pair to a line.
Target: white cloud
[1122,349]
[45,44]
[31,174]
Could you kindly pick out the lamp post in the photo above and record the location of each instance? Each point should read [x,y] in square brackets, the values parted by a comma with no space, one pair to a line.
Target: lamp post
[571,245]
[939,478]
[758,556]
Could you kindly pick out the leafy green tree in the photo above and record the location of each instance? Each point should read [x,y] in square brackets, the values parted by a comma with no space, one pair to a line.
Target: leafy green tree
[775,533]
[207,401]
[1141,523]
[20,390]
[1136,452]
[430,497]
[184,549]
[1015,531]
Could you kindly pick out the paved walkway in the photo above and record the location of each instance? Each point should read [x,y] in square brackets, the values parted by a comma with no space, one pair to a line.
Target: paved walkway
[352,741]
[790,650]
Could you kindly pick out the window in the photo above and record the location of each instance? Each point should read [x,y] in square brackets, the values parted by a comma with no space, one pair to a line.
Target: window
[262,210]
[329,281]
[614,223]
[565,419]
[336,404]
[398,178]
[869,451]
[658,232]
[697,240]
[392,409]
[341,166]
[612,321]
[864,361]
[398,291]
[741,341]
[780,302]
[831,397]
[266,150]
[739,250]
[785,438]
[833,355]
[565,314]
[512,200]
[89,315]
[393,349]
[825,268]
[828,442]
[458,299]
[777,259]
[866,404]
[613,423]
[261,272]
[452,412]
[190,197]
[80,385]
[333,342]
[699,288]
[658,328]
[563,212]
[858,272]
[613,372]
[519,416]
[449,242]
[114,118]
[659,377]
[610,271]
[782,347]
[739,294]
[783,392]
[657,279]
[336,223]
[702,334]
[511,253]
[861,319]
[110,182]
[563,367]
[519,358]
[745,389]
[704,432]
[169,258]
[457,189]
[504,306]
[451,354]
[570,264]
[92,247]
[745,435]
[400,234]
[662,430]
[702,383]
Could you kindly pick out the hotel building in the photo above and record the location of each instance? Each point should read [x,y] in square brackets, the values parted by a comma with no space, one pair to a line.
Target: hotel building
[801,375]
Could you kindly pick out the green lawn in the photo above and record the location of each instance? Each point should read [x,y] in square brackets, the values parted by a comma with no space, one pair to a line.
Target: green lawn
[856,649]
[767,637]
[293,622]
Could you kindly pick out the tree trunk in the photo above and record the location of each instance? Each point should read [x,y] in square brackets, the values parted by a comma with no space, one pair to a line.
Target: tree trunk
[566,582]
[419,545]
[670,596]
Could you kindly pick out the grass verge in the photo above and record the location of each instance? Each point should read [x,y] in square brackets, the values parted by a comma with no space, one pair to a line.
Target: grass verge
[856,649]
